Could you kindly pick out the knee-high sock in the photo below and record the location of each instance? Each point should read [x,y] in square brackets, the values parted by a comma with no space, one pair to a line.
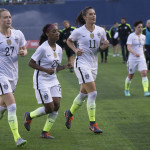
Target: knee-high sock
[12,120]
[91,106]
[78,101]
[38,112]
[2,110]
[127,83]
[145,83]
[50,121]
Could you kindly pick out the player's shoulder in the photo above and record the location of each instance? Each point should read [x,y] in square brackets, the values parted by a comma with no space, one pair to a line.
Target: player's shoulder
[132,35]
[99,28]
[16,32]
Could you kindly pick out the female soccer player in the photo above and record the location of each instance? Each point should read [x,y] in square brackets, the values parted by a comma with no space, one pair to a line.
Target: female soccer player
[136,60]
[45,61]
[12,44]
[89,37]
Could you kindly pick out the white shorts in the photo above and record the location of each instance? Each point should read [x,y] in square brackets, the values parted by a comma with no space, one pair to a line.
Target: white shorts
[46,95]
[136,65]
[85,75]
[7,86]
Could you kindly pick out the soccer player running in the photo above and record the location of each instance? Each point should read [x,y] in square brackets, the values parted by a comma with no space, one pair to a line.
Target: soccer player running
[136,60]
[89,37]
[45,61]
[12,44]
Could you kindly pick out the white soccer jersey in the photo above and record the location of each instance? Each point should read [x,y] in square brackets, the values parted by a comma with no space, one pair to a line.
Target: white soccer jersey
[89,42]
[137,43]
[9,47]
[46,57]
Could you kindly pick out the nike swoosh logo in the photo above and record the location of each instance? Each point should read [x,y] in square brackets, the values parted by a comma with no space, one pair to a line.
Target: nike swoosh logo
[83,36]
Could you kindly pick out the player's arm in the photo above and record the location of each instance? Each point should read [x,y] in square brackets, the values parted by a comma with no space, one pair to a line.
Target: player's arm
[62,67]
[70,44]
[129,46]
[33,65]
[23,51]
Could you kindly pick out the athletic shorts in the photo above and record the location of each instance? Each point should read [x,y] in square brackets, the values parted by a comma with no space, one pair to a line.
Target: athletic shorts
[85,75]
[114,42]
[136,65]
[69,52]
[7,86]
[46,95]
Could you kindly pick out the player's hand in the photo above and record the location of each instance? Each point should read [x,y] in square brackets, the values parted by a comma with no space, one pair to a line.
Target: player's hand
[49,71]
[104,44]
[79,52]
[22,52]
[68,66]
[137,55]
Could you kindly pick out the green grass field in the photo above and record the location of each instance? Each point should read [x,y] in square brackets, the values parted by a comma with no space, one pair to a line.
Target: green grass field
[125,121]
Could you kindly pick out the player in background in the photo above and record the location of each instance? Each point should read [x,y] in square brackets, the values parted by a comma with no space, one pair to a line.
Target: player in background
[65,34]
[45,61]
[114,39]
[146,32]
[136,60]
[124,29]
[12,44]
[89,37]
[104,53]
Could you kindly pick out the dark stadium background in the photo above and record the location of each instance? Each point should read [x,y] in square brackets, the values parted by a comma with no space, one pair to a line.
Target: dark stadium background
[31,18]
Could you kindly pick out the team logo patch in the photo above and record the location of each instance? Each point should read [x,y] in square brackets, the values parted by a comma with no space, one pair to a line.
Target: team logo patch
[46,96]
[87,76]
[130,70]
[5,86]
[91,35]
[99,34]
[8,42]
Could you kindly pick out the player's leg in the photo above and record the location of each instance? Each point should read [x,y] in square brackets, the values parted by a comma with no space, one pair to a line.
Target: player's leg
[117,48]
[91,105]
[142,68]
[78,101]
[131,66]
[106,54]
[12,118]
[3,107]
[123,51]
[102,56]
[43,97]
[51,117]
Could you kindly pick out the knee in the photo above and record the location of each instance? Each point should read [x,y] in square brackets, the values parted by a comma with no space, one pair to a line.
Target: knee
[49,109]
[92,95]
[144,73]
[12,107]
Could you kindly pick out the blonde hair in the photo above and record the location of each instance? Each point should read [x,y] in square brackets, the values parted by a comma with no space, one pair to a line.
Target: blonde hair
[147,21]
[2,10]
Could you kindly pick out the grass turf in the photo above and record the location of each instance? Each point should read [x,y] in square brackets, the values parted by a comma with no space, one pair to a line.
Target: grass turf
[125,121]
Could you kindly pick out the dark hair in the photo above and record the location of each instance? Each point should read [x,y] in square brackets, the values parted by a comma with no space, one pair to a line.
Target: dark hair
[43,36]
[115,22]
[79,19]
[123,18]
[136,23]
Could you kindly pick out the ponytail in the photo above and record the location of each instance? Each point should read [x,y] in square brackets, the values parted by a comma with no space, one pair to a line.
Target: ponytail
[79,19]
[43,36]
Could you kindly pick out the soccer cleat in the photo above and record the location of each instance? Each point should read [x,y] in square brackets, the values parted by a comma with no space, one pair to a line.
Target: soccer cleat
[95,128]
[127,93]
[27,120]
[20,142]
[146,94]
[69,117]
[46,135]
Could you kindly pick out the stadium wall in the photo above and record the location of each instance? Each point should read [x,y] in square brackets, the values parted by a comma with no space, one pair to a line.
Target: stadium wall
[31,18]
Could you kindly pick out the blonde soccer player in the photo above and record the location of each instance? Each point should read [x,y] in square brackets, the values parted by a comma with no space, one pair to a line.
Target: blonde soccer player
[89,37]
[12,44]
[45,61]
[136,60]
